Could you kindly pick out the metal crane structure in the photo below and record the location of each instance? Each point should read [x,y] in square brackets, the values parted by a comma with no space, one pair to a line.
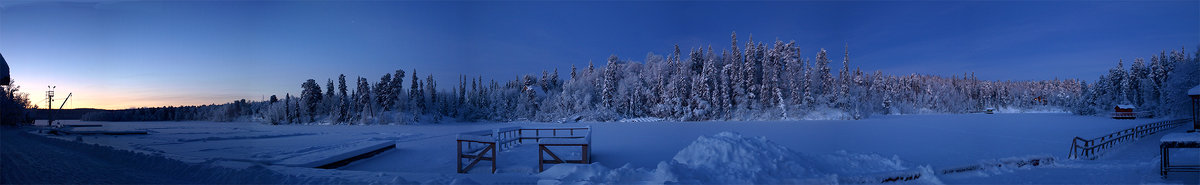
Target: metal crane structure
[64,103]
[50,99]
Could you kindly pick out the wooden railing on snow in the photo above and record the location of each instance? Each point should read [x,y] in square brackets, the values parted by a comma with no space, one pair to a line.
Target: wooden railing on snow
[1091,148]
[583,142]
[1131,115]
[485,144]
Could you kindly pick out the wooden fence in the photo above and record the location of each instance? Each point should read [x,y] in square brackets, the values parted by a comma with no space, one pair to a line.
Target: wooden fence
[1091,148]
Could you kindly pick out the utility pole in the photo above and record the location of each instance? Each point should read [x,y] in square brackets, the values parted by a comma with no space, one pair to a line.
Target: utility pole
[50,103]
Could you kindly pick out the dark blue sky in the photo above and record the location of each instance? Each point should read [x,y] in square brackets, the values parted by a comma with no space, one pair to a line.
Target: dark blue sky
[133,53]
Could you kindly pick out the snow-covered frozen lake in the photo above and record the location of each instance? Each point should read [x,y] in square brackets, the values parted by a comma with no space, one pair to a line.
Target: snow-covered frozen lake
[939,141]
[936,140]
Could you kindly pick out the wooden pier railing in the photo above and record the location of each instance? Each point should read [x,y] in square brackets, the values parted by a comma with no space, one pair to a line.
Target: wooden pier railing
[1091,148]
[484,145]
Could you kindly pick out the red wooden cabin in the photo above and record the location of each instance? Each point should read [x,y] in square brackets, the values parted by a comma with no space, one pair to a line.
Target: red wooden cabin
[1124,112]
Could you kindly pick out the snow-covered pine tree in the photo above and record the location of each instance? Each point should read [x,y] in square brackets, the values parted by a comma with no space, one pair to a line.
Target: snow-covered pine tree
[287,107]
[383,92]
[573,73]
[721,85]
[608,88]
[808,97]
[843,98]
[794,72]
[859,102]
[364,99]
[771,65]
[1137,73]
[311,96]
[431,90]
[529,96]
[329,104]
[737,89]
[397,90]
[824,83]
[544,81]
[702,86]
[729,79]
[1183,74]
[879,94]
[461,97]
[750,77]
[343,100]
[416,96]
[329,94]
[683,89]
[1120,85]
[554,81]
[591,68]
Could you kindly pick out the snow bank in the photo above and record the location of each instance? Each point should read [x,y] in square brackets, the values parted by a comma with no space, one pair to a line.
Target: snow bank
[1035,109]
[641,119]
[729,158]
[334,155]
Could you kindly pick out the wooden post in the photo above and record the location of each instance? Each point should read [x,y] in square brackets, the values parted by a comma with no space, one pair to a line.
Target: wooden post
[458,158]
[1163,166]
[494,159]
[541,168]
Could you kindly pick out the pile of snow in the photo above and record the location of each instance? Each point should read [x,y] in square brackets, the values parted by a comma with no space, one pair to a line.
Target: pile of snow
[1035,109]
[641,119]
[729,158]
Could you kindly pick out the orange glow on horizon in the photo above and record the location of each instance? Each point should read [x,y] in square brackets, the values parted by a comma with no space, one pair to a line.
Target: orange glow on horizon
[102,99]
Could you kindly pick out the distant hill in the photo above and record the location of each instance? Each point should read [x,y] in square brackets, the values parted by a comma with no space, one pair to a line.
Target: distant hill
[62,114]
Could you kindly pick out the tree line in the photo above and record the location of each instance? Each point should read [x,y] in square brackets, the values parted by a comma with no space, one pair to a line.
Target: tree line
[1158,86]
[747,81]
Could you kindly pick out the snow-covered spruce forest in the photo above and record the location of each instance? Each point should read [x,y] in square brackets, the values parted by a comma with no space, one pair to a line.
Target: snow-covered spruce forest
[750,81]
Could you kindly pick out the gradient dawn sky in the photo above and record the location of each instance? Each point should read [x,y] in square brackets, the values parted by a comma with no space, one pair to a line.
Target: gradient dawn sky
[121,54]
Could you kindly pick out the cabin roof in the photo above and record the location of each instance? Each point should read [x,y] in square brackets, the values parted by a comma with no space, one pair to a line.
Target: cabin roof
[1125,106]
[1194,90]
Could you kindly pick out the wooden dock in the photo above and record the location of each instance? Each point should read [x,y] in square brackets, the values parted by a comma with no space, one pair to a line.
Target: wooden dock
[483,145]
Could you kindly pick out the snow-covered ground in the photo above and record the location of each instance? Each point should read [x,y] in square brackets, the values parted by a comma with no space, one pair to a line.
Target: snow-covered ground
[654,152]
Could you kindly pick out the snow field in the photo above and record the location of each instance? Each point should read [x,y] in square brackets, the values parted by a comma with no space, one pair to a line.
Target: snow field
[854,152]
[32,159]
[299,146]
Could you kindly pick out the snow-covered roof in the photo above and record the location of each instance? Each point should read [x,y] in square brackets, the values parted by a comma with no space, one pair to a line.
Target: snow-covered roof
[1126,106]
[1182,137]
[1194,90]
